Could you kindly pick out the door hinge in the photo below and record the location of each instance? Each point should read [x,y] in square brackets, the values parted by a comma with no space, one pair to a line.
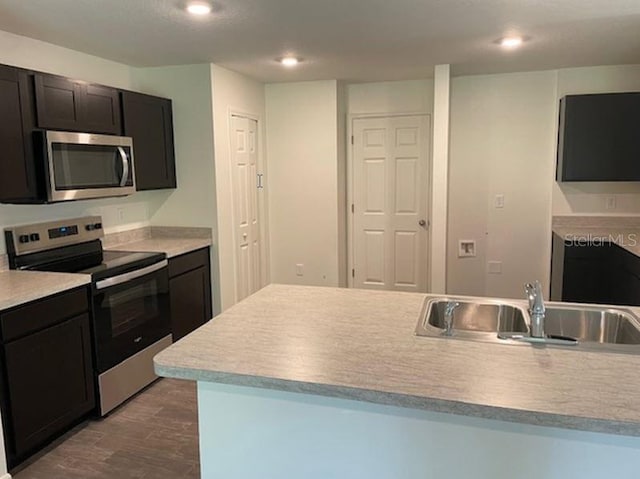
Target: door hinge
[353,208]
[352,140]
[353,273]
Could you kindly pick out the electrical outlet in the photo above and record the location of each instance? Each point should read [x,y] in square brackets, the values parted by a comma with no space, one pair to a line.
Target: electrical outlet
[610,203]
[120,212]
[466,248]
[299,269]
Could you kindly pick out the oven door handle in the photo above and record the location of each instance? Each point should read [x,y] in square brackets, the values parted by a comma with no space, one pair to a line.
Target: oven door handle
[123,278]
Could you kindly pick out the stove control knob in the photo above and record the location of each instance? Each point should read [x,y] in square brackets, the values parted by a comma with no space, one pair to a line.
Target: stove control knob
[23,239]
[89,227]
[97,226]
[34,237]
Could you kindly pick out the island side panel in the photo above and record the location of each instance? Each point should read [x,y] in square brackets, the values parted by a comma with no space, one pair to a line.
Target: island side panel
[252,433]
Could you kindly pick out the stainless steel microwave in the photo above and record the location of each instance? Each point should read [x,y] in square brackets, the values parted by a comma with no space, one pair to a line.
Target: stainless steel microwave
[83,166]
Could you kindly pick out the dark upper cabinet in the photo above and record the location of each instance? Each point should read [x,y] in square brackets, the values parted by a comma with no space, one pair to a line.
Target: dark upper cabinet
[17,169]
[64,104]
[190,290]
[101,109]
[33,101]
[598,137]
[149,121]
[57,103]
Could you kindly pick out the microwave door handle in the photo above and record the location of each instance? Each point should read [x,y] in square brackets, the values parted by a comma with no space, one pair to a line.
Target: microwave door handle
[125,166]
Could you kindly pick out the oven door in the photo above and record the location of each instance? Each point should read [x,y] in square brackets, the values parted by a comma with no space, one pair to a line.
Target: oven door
[83,165]
[131,312]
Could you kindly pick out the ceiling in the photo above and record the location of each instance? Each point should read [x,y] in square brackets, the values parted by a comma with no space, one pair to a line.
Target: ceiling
[354,40]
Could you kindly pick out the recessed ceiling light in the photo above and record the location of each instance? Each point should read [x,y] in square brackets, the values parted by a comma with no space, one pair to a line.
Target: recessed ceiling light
[199,8]
[289,61]
[511,42]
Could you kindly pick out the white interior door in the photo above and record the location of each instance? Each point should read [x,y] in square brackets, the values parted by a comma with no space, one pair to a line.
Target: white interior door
[390,195]
[244,150]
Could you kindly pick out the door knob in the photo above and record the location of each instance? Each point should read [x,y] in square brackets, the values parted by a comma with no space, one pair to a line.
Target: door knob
[422,223]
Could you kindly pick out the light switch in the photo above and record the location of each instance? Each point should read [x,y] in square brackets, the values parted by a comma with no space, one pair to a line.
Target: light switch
[299,269]
[466,248]
[499,201]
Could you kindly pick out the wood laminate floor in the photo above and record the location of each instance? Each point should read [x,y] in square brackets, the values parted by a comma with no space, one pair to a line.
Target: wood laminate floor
[153,436]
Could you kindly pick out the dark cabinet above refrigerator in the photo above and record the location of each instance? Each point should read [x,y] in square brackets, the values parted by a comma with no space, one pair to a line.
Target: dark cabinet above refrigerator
[599,137]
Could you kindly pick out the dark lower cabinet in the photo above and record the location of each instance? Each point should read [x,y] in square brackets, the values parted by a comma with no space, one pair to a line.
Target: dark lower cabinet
[47,371]
[17,168]
[190,290]
[595,272]
[149,121]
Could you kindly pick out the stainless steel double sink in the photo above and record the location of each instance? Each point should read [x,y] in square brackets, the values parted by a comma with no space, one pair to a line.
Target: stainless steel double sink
[588,327]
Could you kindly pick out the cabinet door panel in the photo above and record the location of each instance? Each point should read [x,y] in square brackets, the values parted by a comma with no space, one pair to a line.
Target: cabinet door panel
[587,274]
[58,103]
[190,301]
[101,110]
[149,121]
[17,172]
[49,377]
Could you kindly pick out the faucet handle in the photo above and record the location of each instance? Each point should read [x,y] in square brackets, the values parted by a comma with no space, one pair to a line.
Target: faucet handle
[450,307]
[534,295]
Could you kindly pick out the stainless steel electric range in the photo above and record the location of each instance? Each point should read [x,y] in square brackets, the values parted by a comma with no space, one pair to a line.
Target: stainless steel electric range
[130,320]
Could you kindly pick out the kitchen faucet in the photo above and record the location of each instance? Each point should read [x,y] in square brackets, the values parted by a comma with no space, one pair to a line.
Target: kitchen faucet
[536,308]
[448,317]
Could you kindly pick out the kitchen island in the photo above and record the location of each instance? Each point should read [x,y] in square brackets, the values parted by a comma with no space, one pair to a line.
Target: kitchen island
[323,382]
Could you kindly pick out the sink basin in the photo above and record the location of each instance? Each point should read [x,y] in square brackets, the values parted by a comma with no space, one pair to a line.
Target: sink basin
[594,328]
[471,318]
[593,325]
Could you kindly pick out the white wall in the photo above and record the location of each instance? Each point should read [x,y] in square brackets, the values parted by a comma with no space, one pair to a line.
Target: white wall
[290,435]
[117,213]
[414,96]
[342,99]
[302,151]
[439,179]
[26,52]
[591,198]
[235,93]
[193,203]
[502,142]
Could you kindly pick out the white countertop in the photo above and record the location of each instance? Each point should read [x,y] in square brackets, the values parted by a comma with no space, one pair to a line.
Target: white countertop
[171,246]
[358,344]
[19,287]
